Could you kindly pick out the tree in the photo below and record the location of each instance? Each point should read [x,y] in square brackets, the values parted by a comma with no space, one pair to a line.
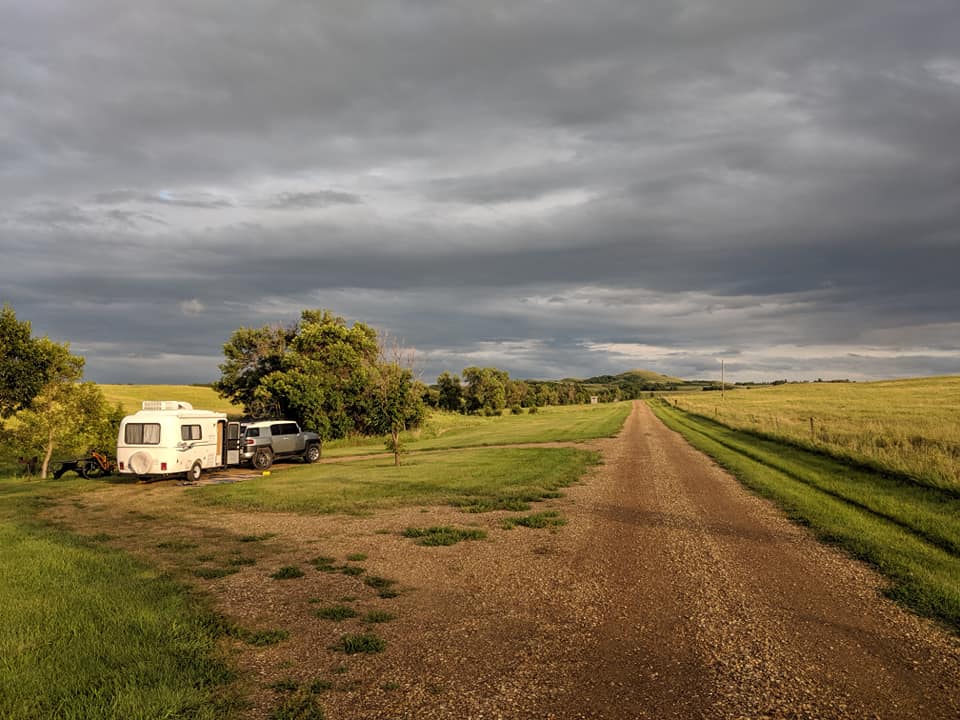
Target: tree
[397,402]
[24,363]
[451,392]
[66,416]
[486,390]
[317,372]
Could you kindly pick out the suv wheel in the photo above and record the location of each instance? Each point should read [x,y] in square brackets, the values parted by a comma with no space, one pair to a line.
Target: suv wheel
[312,454]
[262,459]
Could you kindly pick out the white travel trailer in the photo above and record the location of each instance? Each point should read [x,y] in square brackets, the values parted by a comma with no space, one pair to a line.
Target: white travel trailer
[169,437]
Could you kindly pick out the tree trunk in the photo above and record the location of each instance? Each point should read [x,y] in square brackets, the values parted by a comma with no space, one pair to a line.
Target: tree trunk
[46,457]
[396,446]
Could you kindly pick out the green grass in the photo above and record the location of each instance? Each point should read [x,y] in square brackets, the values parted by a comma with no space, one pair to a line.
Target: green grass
[88,632]
[131,397]
[361,643]
[910,427]
[288,572]
[443,535]
[336,612]
[444,431]
[379,616]
[298,706]
[540,520]
[910,533]
[467,478]
[260,638]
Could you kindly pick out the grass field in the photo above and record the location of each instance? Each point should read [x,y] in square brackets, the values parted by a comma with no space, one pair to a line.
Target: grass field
[909,427]
[473,479]
[444,430]
[89,632]
[201,397]
[910,532]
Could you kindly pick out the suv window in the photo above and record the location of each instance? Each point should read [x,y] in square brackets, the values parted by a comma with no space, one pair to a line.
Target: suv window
[284,429]
[252,432]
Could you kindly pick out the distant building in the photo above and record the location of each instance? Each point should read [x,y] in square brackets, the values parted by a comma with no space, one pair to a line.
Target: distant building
[594,399]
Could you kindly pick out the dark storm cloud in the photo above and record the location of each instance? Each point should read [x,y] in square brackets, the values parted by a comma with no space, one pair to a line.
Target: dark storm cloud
[553,188]
[313,199]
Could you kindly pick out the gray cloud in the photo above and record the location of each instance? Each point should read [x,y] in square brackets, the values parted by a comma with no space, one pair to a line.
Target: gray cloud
[312,199]
[555,189]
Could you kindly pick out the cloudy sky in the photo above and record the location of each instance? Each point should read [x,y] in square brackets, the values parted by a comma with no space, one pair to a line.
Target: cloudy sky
[557,188]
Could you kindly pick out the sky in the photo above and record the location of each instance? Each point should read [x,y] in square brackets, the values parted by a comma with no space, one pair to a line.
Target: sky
[555,188]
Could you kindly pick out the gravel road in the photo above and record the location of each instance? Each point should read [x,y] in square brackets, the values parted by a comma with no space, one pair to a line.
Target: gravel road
[672,593]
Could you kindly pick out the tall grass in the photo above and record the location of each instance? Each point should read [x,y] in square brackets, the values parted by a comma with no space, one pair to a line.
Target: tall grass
[910,533]
[909,427]
[91,633]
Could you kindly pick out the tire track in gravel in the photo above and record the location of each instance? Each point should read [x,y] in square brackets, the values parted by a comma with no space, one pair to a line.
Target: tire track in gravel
[715,606]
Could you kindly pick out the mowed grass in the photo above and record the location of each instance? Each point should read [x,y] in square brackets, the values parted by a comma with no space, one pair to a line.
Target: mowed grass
[470,478]
[910,427]
[131,397]
[910,533]
[444,430]
[91,633]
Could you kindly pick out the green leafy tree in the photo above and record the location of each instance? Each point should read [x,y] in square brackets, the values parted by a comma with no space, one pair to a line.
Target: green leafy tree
[485,392]
[397,403]
[24,363]
[451,392]
[316,372]
[67,417]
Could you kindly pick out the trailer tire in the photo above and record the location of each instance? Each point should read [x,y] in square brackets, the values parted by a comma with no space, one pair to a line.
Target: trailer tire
[193,474]
[262,459]
[312,453]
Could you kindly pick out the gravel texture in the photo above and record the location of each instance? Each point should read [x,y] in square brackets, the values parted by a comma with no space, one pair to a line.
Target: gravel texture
[670,593]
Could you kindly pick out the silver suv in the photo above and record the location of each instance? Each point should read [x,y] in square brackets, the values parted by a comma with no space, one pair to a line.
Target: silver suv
[263,441]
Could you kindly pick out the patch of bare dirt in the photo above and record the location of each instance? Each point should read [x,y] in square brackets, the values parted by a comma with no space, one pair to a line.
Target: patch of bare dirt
[671,593]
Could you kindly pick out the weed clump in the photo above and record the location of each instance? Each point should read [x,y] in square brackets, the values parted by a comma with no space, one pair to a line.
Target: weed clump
[361,643]
[287,572]
[546,519]
[299,706]
[443,535]
[336,612]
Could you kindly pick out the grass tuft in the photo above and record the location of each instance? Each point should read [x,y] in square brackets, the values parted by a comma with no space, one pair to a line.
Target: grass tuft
[336,612]
[545,519]
[287,572]
[361,643]
[299,706]
[443,535]
[379,616]
[212,573]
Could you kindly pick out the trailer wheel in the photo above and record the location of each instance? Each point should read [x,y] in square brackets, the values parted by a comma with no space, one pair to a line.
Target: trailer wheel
[262,459]
[90,469]
[193,474]
[312,454]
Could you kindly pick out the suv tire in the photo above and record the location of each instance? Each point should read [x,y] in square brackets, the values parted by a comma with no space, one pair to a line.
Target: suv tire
[312,454]
[262,459]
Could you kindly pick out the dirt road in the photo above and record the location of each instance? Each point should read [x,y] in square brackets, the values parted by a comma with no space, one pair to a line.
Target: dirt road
[670,593]
[673,593]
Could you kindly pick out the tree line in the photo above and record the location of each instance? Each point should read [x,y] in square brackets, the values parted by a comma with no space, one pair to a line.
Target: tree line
[333,378]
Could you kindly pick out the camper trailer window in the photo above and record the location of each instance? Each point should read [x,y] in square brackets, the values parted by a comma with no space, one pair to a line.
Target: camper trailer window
[190,432]
[142,434]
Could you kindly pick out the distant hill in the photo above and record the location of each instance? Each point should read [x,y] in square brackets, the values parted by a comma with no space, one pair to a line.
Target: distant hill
[201,397]
[638,375]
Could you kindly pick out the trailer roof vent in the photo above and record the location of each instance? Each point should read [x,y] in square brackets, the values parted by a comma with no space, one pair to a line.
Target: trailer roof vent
[166,405]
